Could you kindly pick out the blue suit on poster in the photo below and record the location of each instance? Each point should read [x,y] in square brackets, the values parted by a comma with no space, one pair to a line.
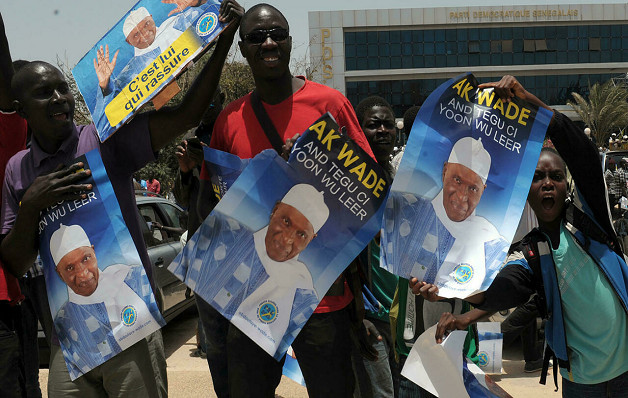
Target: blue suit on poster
[85,325]
[455,256]
[238,273]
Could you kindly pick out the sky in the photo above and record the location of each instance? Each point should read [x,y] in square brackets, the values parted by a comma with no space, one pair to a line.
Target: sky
[66,29]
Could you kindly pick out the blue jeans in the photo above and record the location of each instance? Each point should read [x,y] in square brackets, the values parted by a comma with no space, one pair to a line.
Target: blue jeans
[383,373]
[614,388]
[379,372]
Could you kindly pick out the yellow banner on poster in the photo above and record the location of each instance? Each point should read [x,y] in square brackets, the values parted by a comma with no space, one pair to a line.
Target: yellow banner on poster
[151,79]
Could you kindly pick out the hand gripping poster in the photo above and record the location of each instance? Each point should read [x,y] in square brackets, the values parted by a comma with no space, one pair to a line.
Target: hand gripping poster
[461,186]
[283,233]
[100,298]
[140,55]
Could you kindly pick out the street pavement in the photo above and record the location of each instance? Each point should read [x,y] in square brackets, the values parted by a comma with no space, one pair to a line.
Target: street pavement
[188,376]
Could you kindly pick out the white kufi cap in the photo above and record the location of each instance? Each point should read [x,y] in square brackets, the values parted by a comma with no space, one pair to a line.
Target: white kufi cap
[310,202]
[134,18]
[470,152]
[66,239]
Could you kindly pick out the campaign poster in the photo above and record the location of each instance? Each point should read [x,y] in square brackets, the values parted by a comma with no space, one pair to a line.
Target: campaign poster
[441,370]
[224,168]
[283,233]
[490,344]
[461,186]
[100,298]
[141,55]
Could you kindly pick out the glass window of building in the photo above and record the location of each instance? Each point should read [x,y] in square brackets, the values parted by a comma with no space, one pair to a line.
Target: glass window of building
[506,46]
[474,47]
[540,45]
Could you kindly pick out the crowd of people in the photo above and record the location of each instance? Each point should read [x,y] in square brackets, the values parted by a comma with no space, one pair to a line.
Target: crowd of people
[361,332]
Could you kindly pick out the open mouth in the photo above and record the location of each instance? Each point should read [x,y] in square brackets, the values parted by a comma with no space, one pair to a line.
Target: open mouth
[61,116]
[548,202]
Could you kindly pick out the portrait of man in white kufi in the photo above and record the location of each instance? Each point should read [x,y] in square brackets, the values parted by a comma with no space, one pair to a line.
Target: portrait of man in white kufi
[443,239]
[93,315]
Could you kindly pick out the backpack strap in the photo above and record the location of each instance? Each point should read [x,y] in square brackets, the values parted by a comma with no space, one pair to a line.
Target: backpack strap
[549,354]
[267,125]
[530,248]
[587,226]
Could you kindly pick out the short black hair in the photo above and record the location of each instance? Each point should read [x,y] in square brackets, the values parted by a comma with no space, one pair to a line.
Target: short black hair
[19,83]
[554,152]
[19,63]
[368,103]
[408,118]
[247,15]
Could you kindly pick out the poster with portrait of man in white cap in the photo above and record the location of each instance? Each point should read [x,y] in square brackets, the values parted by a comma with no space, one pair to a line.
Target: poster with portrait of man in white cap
[100,297]
[282,234]
[140,55]
[457,198]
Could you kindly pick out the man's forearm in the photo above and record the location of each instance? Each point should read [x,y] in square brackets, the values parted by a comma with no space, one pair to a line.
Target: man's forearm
[167,124]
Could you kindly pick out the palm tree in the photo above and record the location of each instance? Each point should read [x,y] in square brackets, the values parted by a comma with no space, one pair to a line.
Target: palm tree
[605,111]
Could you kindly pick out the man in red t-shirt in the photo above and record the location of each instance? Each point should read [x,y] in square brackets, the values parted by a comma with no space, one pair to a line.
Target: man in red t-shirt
[238,365]
[12,140]
[153,185]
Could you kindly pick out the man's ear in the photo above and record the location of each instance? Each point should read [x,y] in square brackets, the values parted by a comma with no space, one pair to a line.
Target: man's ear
[242,48]
[17,105]
[444,170]
[314,236]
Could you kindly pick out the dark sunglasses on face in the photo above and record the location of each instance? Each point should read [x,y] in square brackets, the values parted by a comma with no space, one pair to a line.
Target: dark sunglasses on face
[259,36]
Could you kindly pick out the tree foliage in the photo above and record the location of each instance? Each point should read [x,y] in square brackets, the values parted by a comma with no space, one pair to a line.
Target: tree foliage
[236,81]
[606,109]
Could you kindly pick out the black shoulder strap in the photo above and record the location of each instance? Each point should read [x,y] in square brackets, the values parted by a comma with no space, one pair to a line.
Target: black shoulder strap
[266,123]
[580,220]
[530,248]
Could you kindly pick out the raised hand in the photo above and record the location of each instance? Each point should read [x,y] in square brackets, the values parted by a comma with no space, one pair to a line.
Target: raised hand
[230,11]
[181,5]
[103,66]
[509,87]
[185,163]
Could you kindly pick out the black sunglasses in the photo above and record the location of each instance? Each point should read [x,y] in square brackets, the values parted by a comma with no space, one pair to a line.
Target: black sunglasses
[259,36]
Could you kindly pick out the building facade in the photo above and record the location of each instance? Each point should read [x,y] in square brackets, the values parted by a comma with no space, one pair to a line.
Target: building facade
[404,54]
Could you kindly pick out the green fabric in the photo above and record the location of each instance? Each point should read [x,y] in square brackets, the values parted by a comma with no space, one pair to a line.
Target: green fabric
[470,348]
[398,312]
[381,283]
[595,322]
